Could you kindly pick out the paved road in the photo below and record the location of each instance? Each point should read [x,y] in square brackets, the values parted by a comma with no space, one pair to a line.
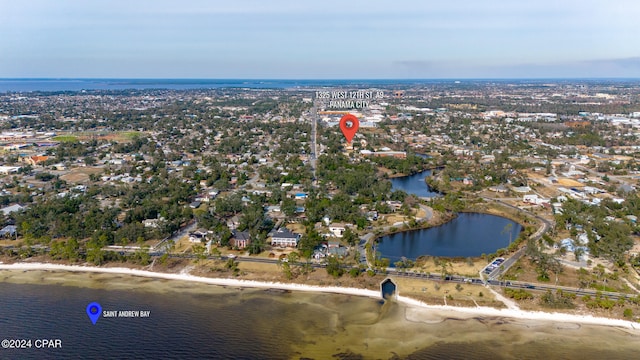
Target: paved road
[422,275]
[508,262]
[468,280]
[546,224]
[369,237]
[314,141]
[164,245]
[506,265]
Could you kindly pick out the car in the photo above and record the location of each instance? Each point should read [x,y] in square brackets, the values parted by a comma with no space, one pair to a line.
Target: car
[231,256]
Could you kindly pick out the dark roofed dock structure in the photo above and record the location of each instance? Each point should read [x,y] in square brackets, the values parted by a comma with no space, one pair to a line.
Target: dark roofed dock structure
[388,289]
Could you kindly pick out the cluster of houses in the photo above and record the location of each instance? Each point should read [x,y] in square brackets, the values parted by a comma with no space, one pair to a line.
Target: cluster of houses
[579,246]
[278,238]
[281,237]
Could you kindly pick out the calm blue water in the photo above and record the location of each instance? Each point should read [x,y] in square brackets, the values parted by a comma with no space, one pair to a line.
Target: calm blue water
[26,85]
[468,235]
[180,326]
[47,84]
[414,184]
[190,321]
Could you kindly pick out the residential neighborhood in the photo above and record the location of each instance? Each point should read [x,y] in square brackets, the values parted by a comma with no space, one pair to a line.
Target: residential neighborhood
[267,173]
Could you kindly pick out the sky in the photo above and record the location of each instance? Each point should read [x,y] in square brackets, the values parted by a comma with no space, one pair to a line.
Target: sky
[323,39]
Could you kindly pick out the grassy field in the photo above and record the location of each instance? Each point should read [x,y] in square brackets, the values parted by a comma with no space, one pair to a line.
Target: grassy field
[120,136]
[65,138]
[130,134]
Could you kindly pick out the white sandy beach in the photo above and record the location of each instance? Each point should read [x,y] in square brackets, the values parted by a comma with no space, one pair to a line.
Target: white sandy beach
[451,310]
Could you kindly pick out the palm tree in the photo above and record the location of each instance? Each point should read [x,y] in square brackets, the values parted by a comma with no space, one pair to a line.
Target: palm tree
[507,229]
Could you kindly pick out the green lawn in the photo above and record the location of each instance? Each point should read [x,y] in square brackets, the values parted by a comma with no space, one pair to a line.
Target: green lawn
[65,138]
[131,134]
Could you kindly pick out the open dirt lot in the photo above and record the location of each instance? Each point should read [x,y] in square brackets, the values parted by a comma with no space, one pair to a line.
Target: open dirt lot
[569,182]
[80,175]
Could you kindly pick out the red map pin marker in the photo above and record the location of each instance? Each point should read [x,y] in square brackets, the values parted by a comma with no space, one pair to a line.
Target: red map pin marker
[349,125]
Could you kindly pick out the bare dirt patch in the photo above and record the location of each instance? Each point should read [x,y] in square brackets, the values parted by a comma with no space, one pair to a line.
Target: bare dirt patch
[441,293]
[570,182]
[80,175]
[296,228]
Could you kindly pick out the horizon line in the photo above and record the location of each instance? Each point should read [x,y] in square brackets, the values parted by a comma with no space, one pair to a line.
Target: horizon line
[323,79]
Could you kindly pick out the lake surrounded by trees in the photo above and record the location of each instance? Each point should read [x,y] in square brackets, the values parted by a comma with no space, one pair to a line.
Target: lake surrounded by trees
[468,235]
[414,184]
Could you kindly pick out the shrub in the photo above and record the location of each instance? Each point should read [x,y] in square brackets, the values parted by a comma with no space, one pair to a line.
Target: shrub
[371,273]
[518,294]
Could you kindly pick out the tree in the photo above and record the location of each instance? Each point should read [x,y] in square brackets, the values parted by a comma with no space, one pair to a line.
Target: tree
[445,269]
[95,254]
[71,249]
[142,254]
[507,230]
[199,251]
[334,267]
[350,237]
[293,257]
[309,241]
[288,207]
[286,269]
[257,244]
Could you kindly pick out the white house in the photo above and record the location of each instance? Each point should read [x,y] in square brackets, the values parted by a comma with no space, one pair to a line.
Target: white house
[12,208]
[285,238]
[337,229]
[534,199]
[197,236]
[153,223]
[6,170]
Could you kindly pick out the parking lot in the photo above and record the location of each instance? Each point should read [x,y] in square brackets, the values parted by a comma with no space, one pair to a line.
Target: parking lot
[495,264]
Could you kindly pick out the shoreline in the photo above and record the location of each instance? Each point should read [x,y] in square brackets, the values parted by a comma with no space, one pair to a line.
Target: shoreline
[409,302]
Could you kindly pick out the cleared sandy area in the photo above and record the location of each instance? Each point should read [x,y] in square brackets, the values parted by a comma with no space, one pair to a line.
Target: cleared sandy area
[570,182]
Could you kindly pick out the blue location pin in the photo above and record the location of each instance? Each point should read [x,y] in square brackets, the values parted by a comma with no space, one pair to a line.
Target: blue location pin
[94,310]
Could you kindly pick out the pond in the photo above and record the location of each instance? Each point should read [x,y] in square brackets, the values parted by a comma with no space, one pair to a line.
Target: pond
[414,184]
[468,235]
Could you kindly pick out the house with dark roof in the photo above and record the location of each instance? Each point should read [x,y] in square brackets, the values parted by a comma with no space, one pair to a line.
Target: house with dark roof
[198,236]
[284,238]
[240,239]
